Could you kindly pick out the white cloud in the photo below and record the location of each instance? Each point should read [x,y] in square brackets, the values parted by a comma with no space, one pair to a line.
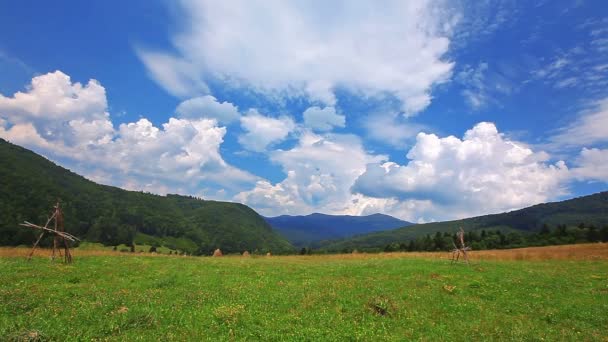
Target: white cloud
[208,107]
[473,79]
[480,174]
[482,85]
[323,119]
[601,44]
[64,119]
[295,49]
[53,96]
[390,128]
[174,74]
[577,67]
[592,165]
[589,128]
[553,69]
[57,110]
[320,171]
[14,62]
[25,134]
[182,148]
[263,131]
[481,19]
[567,82]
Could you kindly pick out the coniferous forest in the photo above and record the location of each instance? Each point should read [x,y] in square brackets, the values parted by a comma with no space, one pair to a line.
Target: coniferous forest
[496,239]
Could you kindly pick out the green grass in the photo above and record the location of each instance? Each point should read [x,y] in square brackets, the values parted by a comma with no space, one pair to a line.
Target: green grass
[301,298]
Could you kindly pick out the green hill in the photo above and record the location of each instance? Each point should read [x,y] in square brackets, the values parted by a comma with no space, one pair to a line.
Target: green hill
[589,210]
[30,184]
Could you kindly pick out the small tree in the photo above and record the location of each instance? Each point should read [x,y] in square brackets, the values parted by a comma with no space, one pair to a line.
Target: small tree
[604,234]
[545,230]
[439,242]
[152,249]
[411,246]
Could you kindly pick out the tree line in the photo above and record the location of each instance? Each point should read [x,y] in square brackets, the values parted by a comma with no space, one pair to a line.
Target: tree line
[497,239]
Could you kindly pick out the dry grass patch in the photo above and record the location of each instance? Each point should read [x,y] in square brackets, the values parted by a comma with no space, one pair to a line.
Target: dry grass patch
[586,251]
[76,252]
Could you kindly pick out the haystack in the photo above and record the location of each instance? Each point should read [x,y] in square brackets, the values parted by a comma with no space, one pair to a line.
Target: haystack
[246,254]
[217,253]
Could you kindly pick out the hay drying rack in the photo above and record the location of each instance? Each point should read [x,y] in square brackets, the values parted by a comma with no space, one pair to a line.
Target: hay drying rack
[460,249]
[61,239]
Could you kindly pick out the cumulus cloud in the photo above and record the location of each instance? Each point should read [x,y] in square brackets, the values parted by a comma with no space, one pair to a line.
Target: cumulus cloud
[446,177]
[263,131]
[592,165]
[183,149]
[320,171]
[323,119]
[53,96]
[55,109]
[482,173]
[304,49]
[68,120]
[589,128]
[208,107]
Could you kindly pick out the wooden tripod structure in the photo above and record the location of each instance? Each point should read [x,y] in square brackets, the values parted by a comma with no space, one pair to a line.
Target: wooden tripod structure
[461,249]
[60,237]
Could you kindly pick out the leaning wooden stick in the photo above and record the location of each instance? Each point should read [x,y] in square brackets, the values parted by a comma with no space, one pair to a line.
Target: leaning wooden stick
[64,235]
[35,245]
[40,237]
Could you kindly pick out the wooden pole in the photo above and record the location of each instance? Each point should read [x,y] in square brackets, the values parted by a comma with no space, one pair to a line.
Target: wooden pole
[55,237]
[68,254]
[59,221]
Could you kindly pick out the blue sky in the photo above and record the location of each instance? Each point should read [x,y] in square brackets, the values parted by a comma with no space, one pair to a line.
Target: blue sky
[425,110]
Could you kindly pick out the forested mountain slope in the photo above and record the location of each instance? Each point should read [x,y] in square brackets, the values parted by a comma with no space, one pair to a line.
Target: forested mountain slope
[589,210]
[30,185]
[309,230]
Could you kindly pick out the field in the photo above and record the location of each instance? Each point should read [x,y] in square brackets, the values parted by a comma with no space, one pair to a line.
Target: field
[551,293]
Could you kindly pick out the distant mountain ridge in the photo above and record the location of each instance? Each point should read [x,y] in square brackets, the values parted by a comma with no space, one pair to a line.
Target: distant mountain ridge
[30,185]
[589,210]
[310,230]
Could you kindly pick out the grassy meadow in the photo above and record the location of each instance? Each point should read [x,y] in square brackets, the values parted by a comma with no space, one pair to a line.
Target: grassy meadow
[552,293]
